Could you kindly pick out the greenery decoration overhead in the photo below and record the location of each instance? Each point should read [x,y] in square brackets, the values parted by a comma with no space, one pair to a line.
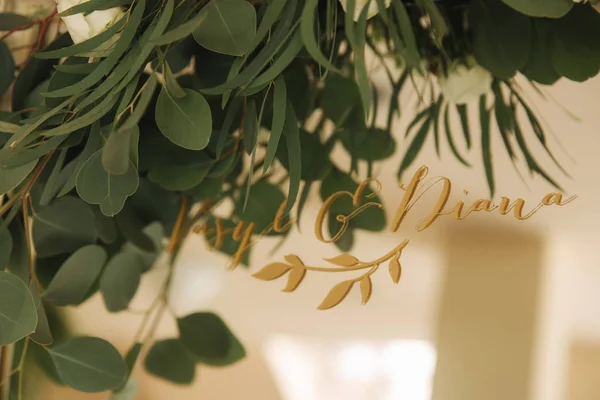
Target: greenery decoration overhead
[123,133]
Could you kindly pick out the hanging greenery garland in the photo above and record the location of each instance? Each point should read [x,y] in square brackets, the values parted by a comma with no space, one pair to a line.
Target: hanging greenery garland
[126,131]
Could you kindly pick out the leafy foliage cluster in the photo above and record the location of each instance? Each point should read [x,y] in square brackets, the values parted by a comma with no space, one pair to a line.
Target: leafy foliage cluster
[108,162]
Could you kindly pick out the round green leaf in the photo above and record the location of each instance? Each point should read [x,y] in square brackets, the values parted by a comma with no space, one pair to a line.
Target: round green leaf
[315,163]
[370,219]
[89,364]
[129,392]
[229,26]
[542,8]
[176,177]
[170,360]
[208,338]
[62,227]
[376,144]
[76,276]
[11,177]
[187,122]
[575,52]
[340,95]
[6,245]
[120,280]
[539,68]
[155,232]
[204,334]
[18,315]
[7,67]
[42,334]
[502,37]
[263,202]
[96,186]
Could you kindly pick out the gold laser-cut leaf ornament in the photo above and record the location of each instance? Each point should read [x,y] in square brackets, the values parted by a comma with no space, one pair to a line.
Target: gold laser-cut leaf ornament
[336,295]
[343,260]
[344,263]
[366,288]
[395,268]
[295,278]
[272,271]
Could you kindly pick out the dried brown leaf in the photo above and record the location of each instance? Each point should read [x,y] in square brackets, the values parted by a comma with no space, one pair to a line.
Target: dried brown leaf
[294,279]
[343,260]
[366,288]
[272,271]
[395,268]
[336,295]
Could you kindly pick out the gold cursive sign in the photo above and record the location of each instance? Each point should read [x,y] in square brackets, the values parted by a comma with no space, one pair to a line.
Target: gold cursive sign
[296,269]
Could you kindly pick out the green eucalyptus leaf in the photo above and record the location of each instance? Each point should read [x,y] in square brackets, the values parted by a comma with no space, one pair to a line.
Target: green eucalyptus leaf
[307,28]
[172,86]
[93,5]
[294,152]
[89,364]
[484,116]
[279,115]
[375,145]
[438,22]
[250,128]
[415,147]
[180,176]
[261,208]
[116,157]
[156,233]
[77,275]
[18,314]
[7,67]
[285,58]
[128,392]
[132,229]
[92,145]
[187,122]
[96,186]
[315,163]
[229,27]
[35,72]
[170,360]
[11,177]
[10,21]
[62,227]
[539,68]
[181,31]
[339,96]
[541,8]
[502,37]
[207,337]
[6,246]
[120,280]
[258,63]
[85,46]
[575,53]
[105,66]
[42,334]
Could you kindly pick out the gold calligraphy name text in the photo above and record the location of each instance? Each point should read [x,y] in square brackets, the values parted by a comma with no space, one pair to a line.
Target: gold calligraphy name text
[295,268]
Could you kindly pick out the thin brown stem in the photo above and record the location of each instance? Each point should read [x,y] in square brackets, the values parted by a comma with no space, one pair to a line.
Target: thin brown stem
[3,369]
[176,239]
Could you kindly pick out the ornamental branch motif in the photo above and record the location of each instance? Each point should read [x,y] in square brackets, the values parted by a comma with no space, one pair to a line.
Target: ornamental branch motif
[296,270]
